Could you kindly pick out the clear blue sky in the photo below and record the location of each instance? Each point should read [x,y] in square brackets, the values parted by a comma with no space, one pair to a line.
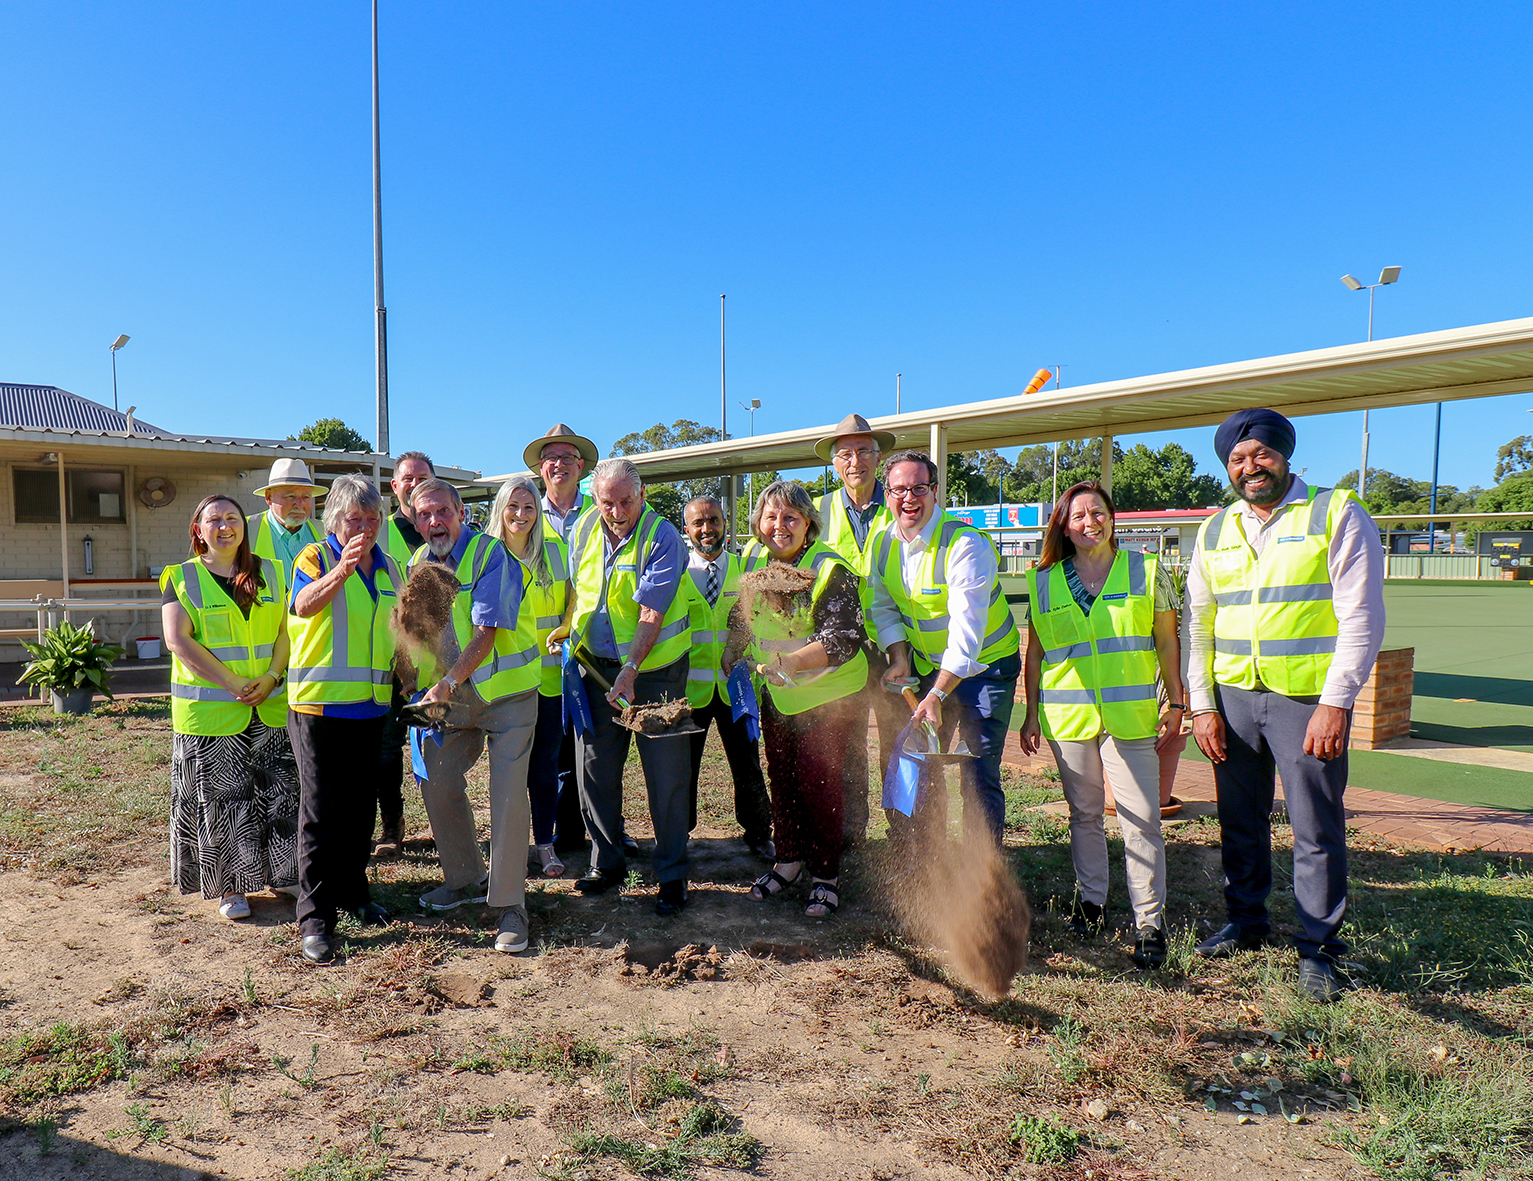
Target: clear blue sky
[959,193]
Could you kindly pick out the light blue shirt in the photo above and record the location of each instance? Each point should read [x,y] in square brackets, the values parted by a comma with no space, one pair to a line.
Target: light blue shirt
[659,581]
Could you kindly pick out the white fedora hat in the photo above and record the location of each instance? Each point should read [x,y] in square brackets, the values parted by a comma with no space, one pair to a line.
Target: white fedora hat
[288,473]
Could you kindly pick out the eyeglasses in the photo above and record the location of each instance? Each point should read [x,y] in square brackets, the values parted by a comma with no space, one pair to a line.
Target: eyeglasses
[560,460]
[914,492]
[866,454]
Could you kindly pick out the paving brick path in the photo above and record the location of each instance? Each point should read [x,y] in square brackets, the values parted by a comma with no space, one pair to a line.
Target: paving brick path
[1408,820]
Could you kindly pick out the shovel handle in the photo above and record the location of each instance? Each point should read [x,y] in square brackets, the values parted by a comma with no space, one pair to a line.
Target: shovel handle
[910,697]
[585,660]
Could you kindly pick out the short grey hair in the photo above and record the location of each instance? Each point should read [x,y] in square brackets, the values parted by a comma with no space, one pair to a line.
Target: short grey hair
[616,468]
[537,557]
[793,495]
[347,494]
[433,486]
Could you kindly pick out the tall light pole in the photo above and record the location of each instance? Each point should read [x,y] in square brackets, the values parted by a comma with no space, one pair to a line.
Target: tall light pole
[116,344]
[896,393]
[381,330]
[1387,276]
[750,478]
[729,477]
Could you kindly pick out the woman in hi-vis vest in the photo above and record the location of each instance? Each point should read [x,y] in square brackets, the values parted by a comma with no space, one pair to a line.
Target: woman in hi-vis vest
[809,646]
[233,782]
[1102,624]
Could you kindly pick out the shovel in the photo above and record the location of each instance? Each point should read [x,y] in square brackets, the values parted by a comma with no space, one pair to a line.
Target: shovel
[645,719]
[933,750]
[427,717]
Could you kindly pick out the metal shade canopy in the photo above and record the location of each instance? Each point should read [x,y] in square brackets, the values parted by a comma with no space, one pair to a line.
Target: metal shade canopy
[1480,361]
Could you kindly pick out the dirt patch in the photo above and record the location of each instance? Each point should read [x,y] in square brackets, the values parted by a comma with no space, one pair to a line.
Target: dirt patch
[656,717]
[669,964]
[455,990]
[777,587]
[423,616]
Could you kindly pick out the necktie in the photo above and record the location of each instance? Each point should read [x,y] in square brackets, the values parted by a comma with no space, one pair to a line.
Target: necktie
[713,584]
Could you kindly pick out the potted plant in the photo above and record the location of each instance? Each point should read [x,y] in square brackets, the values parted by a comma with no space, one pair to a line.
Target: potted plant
[71,665]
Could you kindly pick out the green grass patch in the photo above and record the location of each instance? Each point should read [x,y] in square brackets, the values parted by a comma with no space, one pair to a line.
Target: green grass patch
[62,1060]
[700,1135]
[339,1164]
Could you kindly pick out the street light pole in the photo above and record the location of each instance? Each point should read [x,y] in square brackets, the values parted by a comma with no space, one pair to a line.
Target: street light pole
[381,329]
[1386,276]
[750,478]
[116,344]
[896,393]
[729,477]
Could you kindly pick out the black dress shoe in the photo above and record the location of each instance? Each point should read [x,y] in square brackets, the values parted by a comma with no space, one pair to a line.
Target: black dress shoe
[1150,948]
[316,949]
[370,914]
[673,898]
[631,846]
[1086,918]
[1225,943]
[599,881]
[762,847]
[1320,981]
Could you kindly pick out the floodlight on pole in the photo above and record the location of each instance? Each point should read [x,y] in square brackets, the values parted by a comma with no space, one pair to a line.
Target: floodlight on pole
[116,344]
[1387,276]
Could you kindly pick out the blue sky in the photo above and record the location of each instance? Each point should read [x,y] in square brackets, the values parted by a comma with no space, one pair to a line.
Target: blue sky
[959,193]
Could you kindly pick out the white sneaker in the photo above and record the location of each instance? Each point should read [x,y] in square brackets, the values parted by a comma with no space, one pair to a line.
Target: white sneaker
[234,906]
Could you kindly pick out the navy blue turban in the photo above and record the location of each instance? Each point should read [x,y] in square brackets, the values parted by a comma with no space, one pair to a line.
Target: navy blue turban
[1267,427]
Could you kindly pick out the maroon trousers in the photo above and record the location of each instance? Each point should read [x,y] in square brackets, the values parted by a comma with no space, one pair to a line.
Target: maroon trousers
[805,753]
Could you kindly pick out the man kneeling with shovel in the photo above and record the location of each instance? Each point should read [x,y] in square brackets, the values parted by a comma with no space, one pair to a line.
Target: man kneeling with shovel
[940,615]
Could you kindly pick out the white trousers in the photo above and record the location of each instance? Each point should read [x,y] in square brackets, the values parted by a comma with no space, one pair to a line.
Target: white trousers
[1133,767]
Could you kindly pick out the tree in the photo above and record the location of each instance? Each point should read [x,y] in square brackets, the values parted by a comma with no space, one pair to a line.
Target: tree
[670,500]
[1514,457]
[1165,479]
[1511,495]
[333,435]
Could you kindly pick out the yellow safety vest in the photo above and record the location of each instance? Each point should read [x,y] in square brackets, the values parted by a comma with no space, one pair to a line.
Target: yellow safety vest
[772,634]
[344,654]
[836,532]
[923,606]
[548,608]
[512,665]
[243,645]
[617,582]
[394,542]
[258,530]
[1274,621]
[710,635]
[1098,669]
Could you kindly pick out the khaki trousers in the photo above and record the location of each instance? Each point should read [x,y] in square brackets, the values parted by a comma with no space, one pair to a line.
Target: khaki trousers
[1134,768]
[507,726]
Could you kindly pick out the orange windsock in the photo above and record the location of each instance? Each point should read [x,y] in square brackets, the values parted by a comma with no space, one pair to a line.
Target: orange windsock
[1040,379]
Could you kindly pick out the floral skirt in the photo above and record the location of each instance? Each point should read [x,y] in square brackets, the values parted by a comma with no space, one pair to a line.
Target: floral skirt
[233,811]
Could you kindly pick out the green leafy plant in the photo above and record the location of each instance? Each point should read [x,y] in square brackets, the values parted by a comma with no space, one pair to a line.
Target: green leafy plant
[1044,1141]
[70,658]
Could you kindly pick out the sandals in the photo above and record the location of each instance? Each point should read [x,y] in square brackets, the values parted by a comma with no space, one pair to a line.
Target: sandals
[772,883]
[553,867]
[823,896]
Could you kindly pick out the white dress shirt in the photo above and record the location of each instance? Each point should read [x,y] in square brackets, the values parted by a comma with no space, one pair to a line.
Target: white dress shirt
[1356,565]
[697,567]
[971,573]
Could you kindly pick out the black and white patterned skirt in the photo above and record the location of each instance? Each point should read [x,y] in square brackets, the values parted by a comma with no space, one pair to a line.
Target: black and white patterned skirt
[233,811]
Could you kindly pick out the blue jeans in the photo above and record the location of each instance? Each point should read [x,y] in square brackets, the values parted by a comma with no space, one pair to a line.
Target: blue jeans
[981,710]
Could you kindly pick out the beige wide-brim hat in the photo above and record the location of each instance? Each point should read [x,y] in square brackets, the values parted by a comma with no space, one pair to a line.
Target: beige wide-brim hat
[289,473]
[559,433]
[852,424]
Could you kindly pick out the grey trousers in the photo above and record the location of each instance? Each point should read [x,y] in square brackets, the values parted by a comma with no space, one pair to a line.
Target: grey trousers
[667,764]
[507,726]
[1134,769]
[1264,732]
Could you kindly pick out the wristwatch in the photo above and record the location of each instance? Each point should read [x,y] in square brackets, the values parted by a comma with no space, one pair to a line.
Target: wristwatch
[452,682]
[281,678]
[940,695]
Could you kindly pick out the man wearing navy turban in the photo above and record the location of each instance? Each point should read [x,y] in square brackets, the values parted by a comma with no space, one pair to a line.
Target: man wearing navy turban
[1285,594]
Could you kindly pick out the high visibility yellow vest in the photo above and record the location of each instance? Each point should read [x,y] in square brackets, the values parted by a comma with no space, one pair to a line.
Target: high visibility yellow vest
[773,634]
[1274,621]
[344,654]
[258,530]
[836,532]
[1098,669]
[710,635]
[548,608]
[597,581]
[394,542]
[512,665]
[243,645]
[923,606]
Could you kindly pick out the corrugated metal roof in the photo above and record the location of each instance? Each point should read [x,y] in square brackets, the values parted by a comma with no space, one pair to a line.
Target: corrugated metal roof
[46,407]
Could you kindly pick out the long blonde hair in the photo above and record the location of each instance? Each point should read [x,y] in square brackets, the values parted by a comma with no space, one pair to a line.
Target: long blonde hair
[537,556]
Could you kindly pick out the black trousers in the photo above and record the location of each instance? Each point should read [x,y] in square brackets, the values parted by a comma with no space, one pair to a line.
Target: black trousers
[336,810]
[1264,733]
[753,807]
[391,761]
[569,823]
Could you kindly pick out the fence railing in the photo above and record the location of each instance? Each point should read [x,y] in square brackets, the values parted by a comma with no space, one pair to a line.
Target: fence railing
[1430,566]
[50,611]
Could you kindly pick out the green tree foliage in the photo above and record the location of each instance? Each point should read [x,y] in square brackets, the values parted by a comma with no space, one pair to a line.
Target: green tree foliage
[669,500]
[1514,457]
[1511,495]
[1388,493]
[334,435]
[1165,479]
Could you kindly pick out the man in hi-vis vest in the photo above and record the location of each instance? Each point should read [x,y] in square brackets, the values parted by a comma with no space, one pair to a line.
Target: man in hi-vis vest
[631,617]
[1286,596]
[286,528]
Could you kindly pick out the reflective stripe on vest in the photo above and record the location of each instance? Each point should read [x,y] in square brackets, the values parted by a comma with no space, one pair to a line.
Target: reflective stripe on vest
[512,665]
[343,654]
[1099,668]
[1274,619]
[710,634]
[597,581]
[548,604]
[773,633]
[243,646]
[923,607]
[258,529]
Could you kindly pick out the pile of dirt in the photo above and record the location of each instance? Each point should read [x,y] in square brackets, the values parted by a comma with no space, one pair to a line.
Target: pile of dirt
[423,617]
[778,587]
[656,717]
[665,966]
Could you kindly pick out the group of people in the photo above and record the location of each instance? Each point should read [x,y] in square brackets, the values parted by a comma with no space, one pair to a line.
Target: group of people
[287,694]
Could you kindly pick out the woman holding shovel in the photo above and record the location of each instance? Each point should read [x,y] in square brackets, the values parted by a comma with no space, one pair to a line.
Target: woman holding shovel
[1102,621]
[799,620]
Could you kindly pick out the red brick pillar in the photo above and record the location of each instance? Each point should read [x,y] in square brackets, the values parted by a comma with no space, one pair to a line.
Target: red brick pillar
[1383,709]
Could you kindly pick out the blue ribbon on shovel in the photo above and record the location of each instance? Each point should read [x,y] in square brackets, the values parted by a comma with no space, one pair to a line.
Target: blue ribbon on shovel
[742,699]
[577,707]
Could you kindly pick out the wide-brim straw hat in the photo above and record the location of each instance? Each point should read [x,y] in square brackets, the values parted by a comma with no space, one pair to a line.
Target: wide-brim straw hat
[559,433]
[852,424]
[289,473]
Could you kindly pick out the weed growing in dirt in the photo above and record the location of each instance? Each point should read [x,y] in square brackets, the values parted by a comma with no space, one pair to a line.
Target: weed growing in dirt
[143,1125]
[305,1080]
[1065,1050]
[62,1060]
[1044,1141]
[699,1135]
[339,1164]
